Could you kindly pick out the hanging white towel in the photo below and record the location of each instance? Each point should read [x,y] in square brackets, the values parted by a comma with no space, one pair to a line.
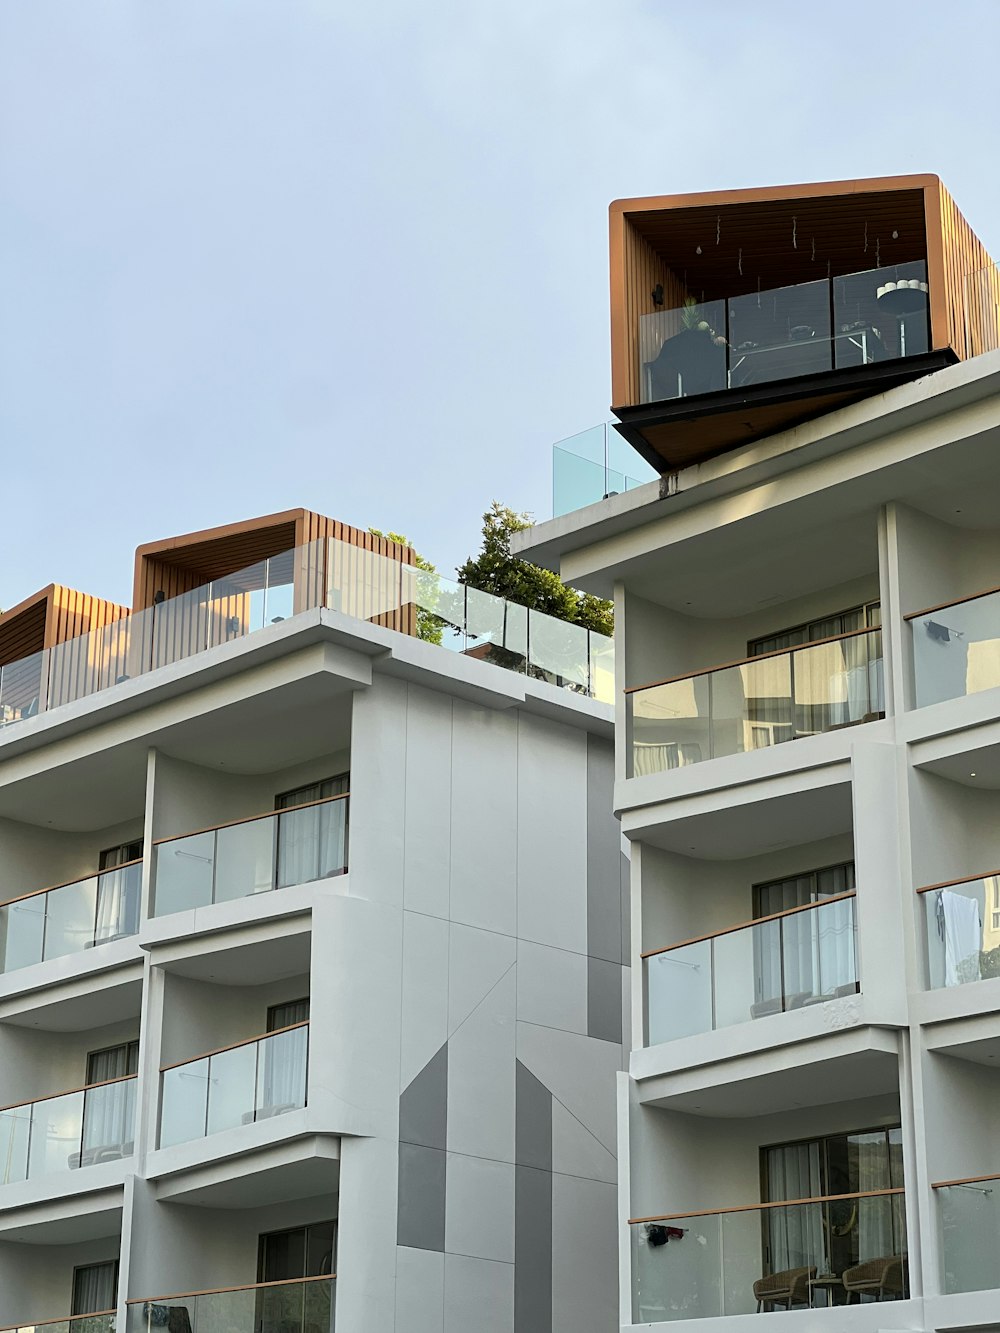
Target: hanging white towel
[962,938]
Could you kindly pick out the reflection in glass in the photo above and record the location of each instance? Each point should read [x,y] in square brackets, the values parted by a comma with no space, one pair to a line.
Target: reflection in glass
[297,1306]
[956,650]
[779,334]
[969,1223]
[682,352]
[962,932]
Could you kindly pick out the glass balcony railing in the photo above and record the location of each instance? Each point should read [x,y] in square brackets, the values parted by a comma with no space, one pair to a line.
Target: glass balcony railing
[790,960]
[956,648]
[969,1227]
[52,923]
[760,337]
[832,1250]
[302,1305]
[274,851]
[756,703]
[962,931]
[253,1080]
[63,1133]
[103,1321]
[591,466]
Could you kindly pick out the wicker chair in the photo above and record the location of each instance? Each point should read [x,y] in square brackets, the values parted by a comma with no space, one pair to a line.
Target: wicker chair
[880,1277]
[787,1288]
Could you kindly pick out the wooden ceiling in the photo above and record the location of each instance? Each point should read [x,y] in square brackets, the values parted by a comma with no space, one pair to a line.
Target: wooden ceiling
[779,241]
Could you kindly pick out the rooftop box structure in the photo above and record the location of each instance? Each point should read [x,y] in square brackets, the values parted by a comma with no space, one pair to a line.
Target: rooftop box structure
[739,313]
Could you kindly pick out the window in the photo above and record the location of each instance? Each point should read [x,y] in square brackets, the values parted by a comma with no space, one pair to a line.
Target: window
[866,616]
[284,1015]
[314,791]
[778,895]
[95,1288]
[301,1252]
[118,891]
[808,957]
[113,1062]
[120,855]
[312,841]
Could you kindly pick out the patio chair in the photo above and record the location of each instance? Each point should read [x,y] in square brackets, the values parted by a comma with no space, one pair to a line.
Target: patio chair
[879,1277]
[787,1288]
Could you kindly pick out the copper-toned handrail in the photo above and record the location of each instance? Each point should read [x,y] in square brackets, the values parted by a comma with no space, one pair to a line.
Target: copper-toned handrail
[958,601]
[234,1046]
[761,657]
[249,819]
[220,1291]
[963,1180]
[51,1096]
[774,1203]
[81,879]
[66,1319]
[964,879]
[758,921]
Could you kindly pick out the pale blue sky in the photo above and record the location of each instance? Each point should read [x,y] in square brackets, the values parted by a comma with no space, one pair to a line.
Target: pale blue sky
[263,253]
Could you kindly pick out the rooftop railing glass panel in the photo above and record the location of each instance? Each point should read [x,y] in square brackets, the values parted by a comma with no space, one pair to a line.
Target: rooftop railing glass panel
[326,572]
[807,1254]
[779,334]
[591,466]
[71,918]
[63,1133]
[969,1228]
[253,1080]
[757,703]
[956,648]
[301,1305]
[962,931]
[792,960]
[101,1322]
[256,855]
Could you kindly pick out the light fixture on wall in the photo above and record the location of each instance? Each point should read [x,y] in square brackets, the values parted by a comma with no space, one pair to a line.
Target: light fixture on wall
[657,294]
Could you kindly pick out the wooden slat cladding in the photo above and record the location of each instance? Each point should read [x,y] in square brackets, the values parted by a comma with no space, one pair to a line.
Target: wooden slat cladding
[967,319]
[56,637]
[640,270]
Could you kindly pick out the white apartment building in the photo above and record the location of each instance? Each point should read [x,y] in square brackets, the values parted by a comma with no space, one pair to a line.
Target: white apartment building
[313,958]
[807,758]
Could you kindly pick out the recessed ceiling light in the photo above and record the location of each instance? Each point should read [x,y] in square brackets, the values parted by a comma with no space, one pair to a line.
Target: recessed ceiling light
[972,775]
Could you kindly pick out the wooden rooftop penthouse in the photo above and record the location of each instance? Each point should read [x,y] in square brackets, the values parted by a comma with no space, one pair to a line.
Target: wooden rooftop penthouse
[739,313]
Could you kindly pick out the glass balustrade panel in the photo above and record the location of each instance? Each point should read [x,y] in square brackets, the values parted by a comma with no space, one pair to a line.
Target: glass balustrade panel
[748,980]
[185,869]
[779,1262]
[281,1073]
[576,481]
[679,992]
[751,706]
[780,334]
[118,903]
[837,684]
[678,1276]
[184,1103]
[956,650]
[962,926]
[682,351]
[286,1307]
[56,1133]
[602,667]
[109,1122]
[244,859]
[496,629]
[22,932]
[880,314]
[22,687]
[671,725]
[231,1090]
[818,954]
[969,1223]
[558,651]
[312,843]
[317,1307]
[71,916]
[15,1132]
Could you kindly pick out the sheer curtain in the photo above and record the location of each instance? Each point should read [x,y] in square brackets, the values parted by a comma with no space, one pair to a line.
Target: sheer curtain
[281,1082]
[95,1287]
[312,843]
[794,1235]
[875,1220]
[109,1112]
[817,954]
[118,886]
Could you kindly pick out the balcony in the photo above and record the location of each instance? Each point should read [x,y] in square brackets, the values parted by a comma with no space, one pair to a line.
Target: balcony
[67,919]
[593,465]
[756,703]
[72,1130]
[956,648]
[831,1250]
[962,931]
[105,1321]
[969,1222]
[804,329]
[255,855]
[302,1305]
[789,960]
[238,1085]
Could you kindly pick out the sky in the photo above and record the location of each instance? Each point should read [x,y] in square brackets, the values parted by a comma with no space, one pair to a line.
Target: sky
[256,254]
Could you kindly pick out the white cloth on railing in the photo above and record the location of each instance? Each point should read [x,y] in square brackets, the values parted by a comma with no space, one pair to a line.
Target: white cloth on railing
[962,938]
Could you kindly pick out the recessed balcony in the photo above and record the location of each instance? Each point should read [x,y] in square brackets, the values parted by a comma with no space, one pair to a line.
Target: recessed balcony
[303,1305]
[968,1213]
[956,648]
[68,1131]
[962,931]
[756,703]
[291,846]
[820,1252]
[785,961]
[70,918]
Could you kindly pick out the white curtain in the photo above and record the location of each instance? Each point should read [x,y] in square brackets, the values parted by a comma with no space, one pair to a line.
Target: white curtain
[875,1229]
[795,1235]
